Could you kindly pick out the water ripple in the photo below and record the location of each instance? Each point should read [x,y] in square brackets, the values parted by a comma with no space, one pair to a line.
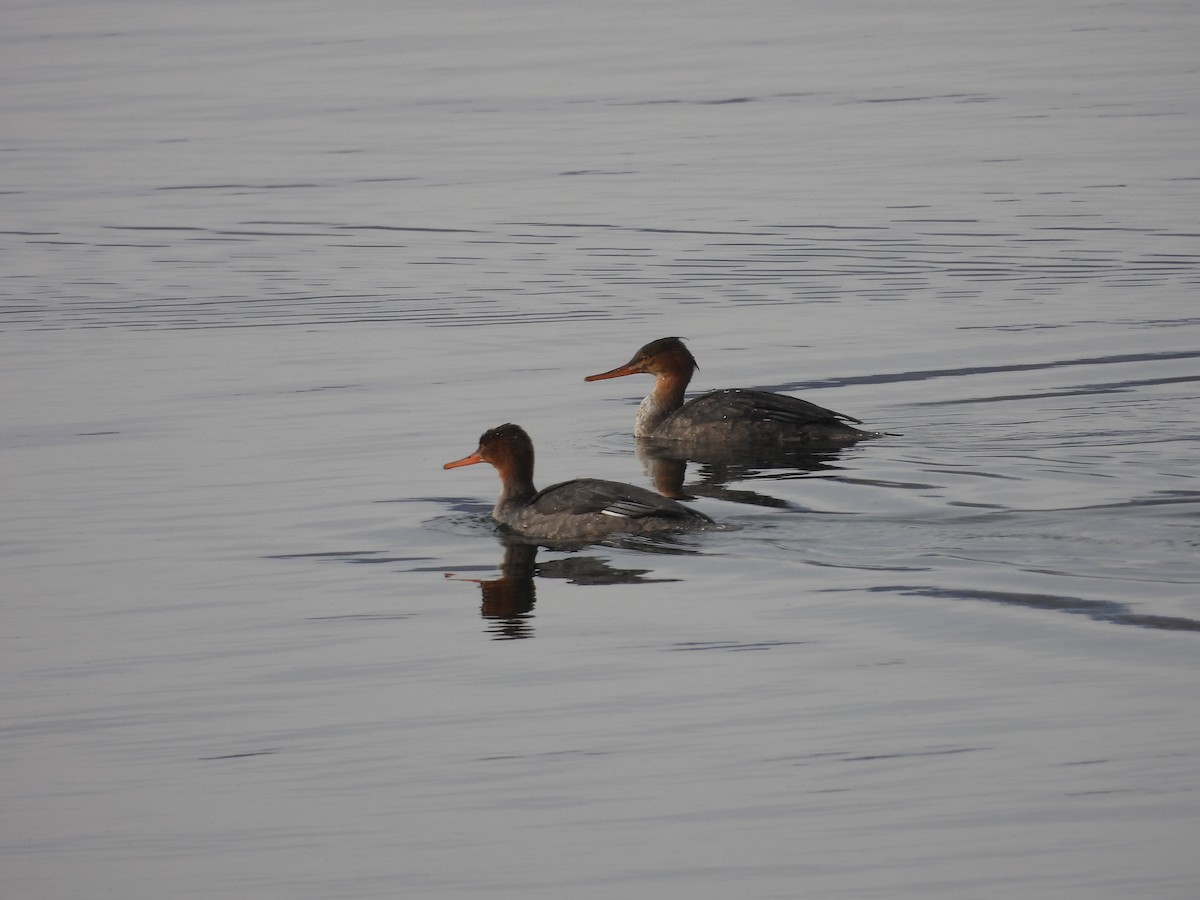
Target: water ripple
[188,276]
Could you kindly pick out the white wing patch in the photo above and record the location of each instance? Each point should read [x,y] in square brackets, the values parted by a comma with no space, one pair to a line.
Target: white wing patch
[625,509]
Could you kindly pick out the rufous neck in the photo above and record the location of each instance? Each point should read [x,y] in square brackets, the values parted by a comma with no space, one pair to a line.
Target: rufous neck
[664,398]
[516,480]
[669,388]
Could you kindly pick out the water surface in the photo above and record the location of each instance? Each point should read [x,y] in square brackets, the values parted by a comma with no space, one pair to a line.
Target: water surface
[267,268]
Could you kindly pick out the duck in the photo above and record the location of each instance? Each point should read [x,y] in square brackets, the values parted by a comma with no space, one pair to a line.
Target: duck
[582,509]
[732,417]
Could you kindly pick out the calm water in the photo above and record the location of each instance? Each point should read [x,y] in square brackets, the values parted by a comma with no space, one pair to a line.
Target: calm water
[266,269]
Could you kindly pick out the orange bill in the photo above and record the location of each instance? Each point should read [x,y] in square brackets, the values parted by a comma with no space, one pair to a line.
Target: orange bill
[627,369]
[465,461]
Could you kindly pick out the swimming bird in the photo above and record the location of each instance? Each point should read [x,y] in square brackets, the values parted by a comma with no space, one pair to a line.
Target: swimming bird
[582,509]
[731,417]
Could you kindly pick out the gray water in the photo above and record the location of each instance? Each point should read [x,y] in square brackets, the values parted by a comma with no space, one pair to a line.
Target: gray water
[267,266]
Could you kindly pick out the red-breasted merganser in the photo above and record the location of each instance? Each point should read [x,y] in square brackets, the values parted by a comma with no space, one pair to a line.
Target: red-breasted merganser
[583,509]
[728,417]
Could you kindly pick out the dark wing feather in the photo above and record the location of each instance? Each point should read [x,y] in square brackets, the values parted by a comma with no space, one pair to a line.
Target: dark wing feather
[611,498]
[756,406]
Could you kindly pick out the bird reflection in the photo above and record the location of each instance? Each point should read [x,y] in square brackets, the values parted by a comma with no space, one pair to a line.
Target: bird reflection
[718,467]
[507,601]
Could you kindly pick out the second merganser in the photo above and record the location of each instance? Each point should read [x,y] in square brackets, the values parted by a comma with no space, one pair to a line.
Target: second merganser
[727,417]
[583,509]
